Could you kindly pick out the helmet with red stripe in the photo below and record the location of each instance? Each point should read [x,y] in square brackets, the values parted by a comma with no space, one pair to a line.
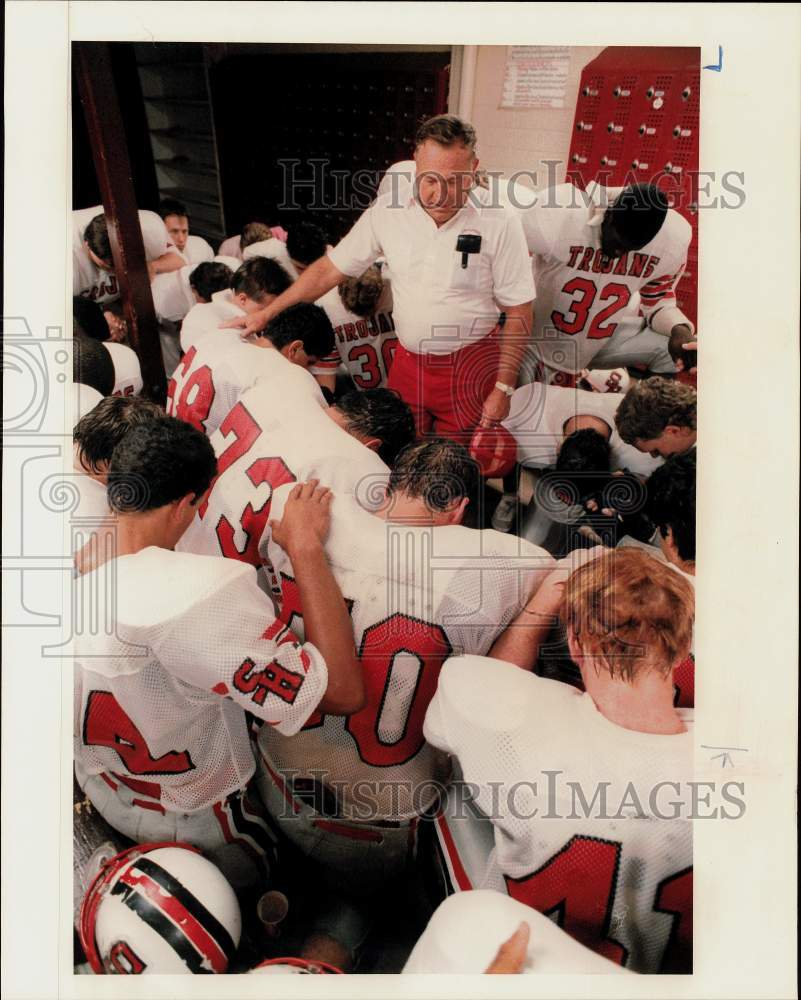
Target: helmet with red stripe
[159,908]
[495,450]
[284,966]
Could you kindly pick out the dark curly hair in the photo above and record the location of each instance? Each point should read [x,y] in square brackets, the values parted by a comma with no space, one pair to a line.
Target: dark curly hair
[382,414]
[99,432]
[303,321]
[651,405]
[158,462]
[438,470]
[671,502]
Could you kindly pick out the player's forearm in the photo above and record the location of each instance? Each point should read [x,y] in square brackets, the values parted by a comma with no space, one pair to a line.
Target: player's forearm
[167,262]
[328,626]
[666,317]
[521,641]
[319,278]
[514,339]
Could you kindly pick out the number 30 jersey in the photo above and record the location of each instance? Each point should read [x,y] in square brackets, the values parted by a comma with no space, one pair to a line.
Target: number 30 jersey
[365,345]
[185,645]
[582,296]
[591,821]
[416,596]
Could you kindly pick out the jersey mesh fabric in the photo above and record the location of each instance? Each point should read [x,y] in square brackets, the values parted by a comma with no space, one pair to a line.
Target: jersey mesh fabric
[604,871]
[162,697]
[416,596]
[365,345]
[214,373]
[291,440]
[575,288]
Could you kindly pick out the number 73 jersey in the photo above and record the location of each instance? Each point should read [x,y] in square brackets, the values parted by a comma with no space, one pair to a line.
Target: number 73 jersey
[416,596]
[583,296]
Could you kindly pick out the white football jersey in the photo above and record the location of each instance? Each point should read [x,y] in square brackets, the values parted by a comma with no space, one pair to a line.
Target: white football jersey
[206,317]
[183,648]
[90,280]
[277,433]
[416,596]
[365,345]
[214,373]
[196,251]
[581,295]
[272,249]
[127,370]
[539,412]
[591,820]
[172,292]
[467,929]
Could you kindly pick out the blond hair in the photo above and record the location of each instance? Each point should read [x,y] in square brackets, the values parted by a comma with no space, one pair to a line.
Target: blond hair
[631,612]
[360,295]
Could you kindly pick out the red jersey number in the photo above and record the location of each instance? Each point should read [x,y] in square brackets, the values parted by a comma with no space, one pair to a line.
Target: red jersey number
[105,724]
[388,650]
[194,401]
[274,472]
[575,319]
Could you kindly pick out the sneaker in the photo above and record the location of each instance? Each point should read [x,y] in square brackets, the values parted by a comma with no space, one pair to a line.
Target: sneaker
[504,516]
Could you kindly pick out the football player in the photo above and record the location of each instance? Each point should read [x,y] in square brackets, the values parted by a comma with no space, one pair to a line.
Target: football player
[586,796]
[188,645]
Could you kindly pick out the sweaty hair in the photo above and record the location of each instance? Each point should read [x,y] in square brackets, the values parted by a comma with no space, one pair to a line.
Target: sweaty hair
[630,611]
[209,277]
[306,242]
[583,460]
[303,321]
[382,414]
[360,295]
[437,470]
[671,502]
[96,235]
[88,319]
[101,430]
[92,364]
[446,130]
[158,462]
[258,277]
[254,232]
[651,405]
[171,206]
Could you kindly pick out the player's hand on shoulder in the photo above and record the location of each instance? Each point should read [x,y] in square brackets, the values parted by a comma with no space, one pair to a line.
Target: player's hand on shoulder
[247,325]
[306,518]
[511,956]
[547,599]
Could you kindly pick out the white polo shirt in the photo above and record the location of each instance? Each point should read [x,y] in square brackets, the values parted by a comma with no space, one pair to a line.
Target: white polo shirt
[440,306]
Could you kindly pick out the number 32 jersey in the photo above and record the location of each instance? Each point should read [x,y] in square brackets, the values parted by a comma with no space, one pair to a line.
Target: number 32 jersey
[186,645]
[582,296]
[416,596]
[591,821]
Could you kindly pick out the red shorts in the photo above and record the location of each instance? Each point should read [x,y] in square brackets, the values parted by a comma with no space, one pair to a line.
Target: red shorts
[447,391]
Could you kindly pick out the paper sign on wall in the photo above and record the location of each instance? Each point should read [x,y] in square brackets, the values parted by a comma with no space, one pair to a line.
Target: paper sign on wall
[536,76]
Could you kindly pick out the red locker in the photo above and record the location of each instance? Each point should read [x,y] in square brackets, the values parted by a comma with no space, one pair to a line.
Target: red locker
[636,120]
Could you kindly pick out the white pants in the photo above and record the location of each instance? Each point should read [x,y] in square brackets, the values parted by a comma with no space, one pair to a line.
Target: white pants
[231,833]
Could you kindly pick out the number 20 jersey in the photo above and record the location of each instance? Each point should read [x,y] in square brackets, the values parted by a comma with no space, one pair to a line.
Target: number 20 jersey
[591,821]
[416,596]
[582,296]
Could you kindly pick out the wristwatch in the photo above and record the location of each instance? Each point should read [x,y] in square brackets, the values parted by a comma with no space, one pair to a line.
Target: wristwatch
[508,389]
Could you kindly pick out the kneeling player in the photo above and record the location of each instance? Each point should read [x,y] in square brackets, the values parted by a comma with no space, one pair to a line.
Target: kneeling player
[190,644]
[588,793]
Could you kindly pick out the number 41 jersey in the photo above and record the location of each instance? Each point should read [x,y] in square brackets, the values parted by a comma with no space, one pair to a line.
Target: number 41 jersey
[592,822]
[416,596]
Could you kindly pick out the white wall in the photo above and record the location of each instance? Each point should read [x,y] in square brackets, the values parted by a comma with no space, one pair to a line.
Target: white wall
[511,140]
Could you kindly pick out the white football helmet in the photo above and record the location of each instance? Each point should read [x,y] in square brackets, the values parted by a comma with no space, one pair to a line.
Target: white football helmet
[160,908]
[284,966]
